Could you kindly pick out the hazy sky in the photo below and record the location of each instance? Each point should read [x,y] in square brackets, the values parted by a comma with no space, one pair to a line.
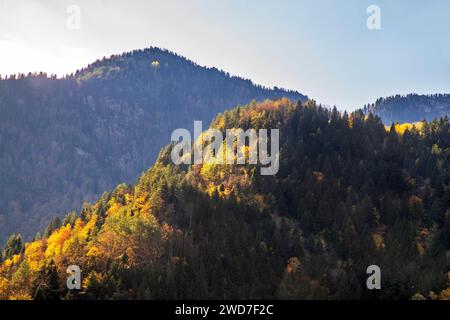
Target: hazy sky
[322,48]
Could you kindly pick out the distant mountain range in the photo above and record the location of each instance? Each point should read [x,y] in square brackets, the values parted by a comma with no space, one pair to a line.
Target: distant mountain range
[410,108]
[65,141]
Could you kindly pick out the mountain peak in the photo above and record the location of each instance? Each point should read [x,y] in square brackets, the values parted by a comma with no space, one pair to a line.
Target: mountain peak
[83,134]
[154,62]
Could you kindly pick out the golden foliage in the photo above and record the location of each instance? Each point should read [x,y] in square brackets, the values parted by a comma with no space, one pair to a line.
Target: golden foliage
[445,294]
[56,241]
[401,128]
[35,254]
[378,240]
[93,252]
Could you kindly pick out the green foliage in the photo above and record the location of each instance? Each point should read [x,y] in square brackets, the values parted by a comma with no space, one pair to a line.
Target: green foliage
[13,246]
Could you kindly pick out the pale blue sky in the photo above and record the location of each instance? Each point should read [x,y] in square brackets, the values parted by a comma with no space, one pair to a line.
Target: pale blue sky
[319,47]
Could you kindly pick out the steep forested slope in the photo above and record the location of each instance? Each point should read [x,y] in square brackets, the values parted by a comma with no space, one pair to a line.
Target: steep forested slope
[63,141]
[348,194]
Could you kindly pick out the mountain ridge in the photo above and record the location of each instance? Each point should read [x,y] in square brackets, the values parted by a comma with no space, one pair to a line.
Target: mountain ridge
[410,108]
[65,141]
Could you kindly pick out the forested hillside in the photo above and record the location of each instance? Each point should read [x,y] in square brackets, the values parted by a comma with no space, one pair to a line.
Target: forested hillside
[65,141]
[349,194]
[411,108]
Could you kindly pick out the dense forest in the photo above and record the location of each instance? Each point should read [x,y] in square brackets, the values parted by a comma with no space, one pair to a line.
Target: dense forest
[410,108]
[65,141]
[349,194]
